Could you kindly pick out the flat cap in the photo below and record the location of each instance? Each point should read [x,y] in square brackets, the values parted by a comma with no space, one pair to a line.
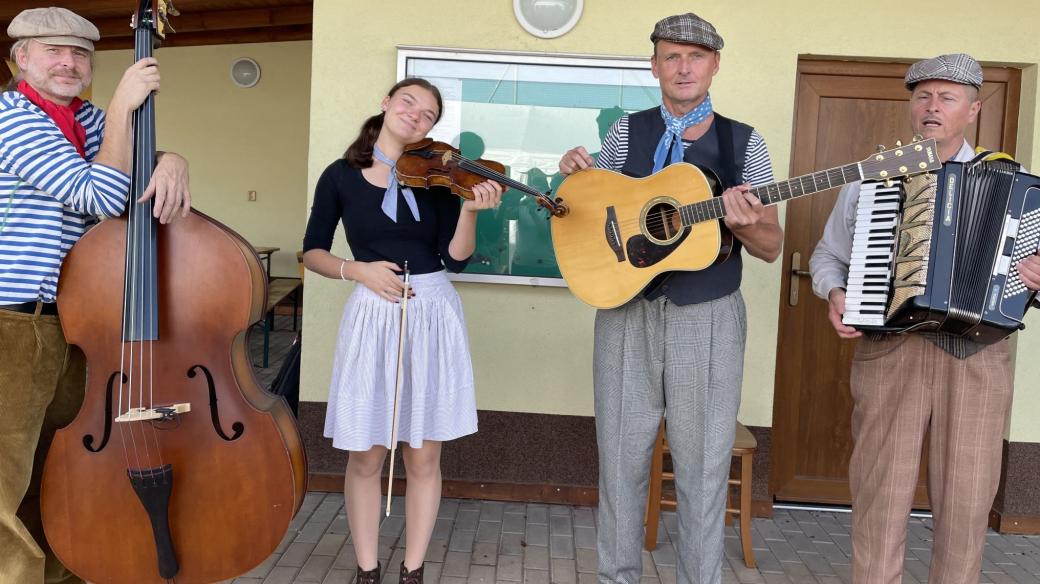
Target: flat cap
[54,26]
[687,28]
[958,67]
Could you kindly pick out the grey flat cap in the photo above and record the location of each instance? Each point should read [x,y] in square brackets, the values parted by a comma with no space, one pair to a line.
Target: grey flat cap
[958,67]
[687,28]
[54,26]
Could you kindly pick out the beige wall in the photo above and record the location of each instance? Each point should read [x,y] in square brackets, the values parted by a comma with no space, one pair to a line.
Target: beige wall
[236,140]
[532,347]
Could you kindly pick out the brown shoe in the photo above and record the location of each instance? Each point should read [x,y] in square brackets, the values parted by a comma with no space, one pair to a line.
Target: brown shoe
[369,576]
[413,577]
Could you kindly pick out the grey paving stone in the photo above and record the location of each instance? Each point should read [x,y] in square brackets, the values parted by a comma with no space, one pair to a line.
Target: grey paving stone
[767,562]
[667,574]
[560,525]
[448,509]
[491,510]
[563,571]
[583,517]
[461,541]
[513,523]
[312,532]
[281,575]
[485,554]
[664,555]
[648,565]
[587,578]
[917,569]
[559,510]
[1019,575]
[453,580]
[831,552]
[339,525]
[520,508]
[315,569]
[537,534]
[585,538]
[512,544]
[442,528]
[346,559]
[481,575]
[456,564]
[489,531]
[768,530]
[561,546]
[296,555]
[436,551]
[538,514]
[392,526]
[510,568]
[587,561]
[783,551]
[844,572]
[330,544]
[467,519]
[798,573]
[432,574]
[339,577]
[814,532]
[800,542]
[244,580]
[844,542]
[536,576]
[536,557]
[817,564]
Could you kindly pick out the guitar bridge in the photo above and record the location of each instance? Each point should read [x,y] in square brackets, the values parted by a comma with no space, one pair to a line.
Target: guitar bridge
[613,234]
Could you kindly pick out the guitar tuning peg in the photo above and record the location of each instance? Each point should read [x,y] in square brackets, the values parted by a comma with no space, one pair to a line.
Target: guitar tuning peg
[880,147]
[918,137]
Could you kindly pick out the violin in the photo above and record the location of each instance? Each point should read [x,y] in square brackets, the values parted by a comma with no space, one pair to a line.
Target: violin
[428,163]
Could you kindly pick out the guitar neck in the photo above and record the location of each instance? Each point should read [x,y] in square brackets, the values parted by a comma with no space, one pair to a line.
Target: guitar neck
[776,192]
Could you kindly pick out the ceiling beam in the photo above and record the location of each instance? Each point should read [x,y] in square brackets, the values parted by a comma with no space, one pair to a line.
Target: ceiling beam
[217,20]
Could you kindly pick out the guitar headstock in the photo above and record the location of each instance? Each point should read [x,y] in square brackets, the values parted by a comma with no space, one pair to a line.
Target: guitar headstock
[144,17]
[914,158]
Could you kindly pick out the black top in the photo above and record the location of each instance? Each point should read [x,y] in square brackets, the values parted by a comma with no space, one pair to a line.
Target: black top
[343,192]
[722,149]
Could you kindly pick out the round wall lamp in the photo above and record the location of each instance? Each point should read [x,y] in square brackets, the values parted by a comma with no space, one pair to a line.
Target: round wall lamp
[245,72]
[547,19]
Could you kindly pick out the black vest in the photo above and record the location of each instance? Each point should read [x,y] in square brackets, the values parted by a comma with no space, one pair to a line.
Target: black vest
[723,149]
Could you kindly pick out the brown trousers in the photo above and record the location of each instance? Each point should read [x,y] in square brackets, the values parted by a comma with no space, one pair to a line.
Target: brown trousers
[903,386]
[41,388]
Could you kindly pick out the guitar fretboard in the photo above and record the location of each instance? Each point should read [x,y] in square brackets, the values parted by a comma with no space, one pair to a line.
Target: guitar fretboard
[774,193]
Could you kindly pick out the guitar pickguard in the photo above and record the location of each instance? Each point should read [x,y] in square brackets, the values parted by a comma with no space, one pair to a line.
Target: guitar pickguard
[643,253]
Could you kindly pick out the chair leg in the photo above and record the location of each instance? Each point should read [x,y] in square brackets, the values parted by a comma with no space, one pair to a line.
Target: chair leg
[745,509]
[653,503]
[295,307]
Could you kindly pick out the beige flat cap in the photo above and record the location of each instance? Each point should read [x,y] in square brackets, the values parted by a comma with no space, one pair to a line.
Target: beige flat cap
[54,26]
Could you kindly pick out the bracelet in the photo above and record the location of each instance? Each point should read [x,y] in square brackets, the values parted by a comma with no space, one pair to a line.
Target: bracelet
[341,276]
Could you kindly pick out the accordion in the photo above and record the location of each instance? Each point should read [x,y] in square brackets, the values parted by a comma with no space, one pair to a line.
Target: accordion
[938,251]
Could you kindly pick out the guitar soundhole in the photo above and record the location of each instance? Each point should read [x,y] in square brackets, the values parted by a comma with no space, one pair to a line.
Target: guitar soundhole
[661,223]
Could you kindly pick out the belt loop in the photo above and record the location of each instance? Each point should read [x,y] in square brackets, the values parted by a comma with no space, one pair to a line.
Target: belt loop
[39,309]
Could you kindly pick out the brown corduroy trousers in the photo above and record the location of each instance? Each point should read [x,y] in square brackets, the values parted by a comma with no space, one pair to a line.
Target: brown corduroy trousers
[41,388]
[902,386]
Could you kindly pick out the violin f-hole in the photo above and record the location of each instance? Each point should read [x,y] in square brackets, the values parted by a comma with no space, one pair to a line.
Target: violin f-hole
[238,428]
[88,439]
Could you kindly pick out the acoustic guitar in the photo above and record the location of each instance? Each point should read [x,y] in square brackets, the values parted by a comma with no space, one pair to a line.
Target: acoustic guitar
[620,232]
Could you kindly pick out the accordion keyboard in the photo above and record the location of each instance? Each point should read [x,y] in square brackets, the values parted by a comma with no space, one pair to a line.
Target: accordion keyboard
[873,240]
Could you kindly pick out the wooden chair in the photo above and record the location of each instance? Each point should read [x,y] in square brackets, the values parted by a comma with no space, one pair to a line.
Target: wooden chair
[744,447]
[278,290]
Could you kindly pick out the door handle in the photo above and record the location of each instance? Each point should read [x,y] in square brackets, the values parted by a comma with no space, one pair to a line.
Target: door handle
[796,272]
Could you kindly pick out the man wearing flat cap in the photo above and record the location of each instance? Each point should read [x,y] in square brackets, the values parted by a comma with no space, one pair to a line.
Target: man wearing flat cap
[905,385]
[63,163]
[677,349]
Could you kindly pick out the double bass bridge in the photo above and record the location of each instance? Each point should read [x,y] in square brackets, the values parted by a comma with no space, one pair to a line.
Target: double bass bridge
[160,413]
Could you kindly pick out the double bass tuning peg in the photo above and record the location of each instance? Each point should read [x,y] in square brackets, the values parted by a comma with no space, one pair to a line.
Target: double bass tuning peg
[880,147]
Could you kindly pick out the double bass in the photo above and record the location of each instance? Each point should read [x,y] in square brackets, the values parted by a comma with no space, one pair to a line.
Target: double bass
[178,466]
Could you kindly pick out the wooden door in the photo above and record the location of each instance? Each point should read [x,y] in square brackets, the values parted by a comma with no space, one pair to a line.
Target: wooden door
[843,110]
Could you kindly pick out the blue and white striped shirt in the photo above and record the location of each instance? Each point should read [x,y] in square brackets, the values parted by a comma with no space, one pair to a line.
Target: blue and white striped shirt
[49,195]
[758,168]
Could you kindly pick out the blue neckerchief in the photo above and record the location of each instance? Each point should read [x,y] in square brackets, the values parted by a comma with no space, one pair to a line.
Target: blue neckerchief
[673,131]
[389,205]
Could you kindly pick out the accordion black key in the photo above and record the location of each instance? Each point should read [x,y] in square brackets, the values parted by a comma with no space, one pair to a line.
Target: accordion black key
[938,251]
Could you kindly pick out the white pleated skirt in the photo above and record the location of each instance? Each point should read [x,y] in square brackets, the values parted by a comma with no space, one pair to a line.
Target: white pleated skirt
[437,396]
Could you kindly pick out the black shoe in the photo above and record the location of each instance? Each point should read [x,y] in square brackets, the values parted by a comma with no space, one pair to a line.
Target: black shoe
[368,576]
[413,577]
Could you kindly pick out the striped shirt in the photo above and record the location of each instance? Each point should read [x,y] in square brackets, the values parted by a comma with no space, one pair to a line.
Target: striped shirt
[49,195]
[758,168]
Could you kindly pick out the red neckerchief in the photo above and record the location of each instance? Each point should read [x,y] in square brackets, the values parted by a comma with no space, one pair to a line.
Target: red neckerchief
[63,115]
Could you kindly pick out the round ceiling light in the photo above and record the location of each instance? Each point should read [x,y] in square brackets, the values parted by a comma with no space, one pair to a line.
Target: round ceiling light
[245,72]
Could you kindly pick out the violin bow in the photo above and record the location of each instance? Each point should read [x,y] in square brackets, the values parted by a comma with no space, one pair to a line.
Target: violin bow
[397,387]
